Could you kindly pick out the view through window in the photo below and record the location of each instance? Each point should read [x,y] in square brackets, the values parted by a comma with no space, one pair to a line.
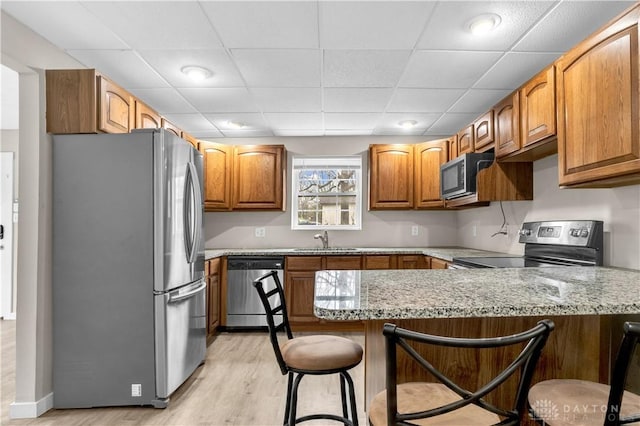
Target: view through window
[326,192]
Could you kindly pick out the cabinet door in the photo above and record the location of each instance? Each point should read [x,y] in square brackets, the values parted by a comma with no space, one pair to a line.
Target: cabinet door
[429,156]
[507,125]
[258,177]
[343,262]
[538,108]
[391,177]
[299,290]
[406,261]
[166,124]
[213,282]
[598,101]
[193,141]
[379,261]
[147,118]
[465,140]
[217,164]
[483,132]
[115,107]
[437,263]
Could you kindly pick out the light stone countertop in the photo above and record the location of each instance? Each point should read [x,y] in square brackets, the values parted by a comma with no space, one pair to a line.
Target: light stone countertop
[504,292]
[446,253]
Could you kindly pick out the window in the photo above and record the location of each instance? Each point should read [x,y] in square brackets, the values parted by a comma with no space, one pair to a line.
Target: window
[326,192]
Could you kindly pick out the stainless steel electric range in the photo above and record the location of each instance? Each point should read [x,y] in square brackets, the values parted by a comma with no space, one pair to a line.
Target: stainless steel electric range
[547,244]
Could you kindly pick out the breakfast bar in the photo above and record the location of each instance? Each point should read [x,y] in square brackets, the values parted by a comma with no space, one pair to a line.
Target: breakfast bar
[587,305]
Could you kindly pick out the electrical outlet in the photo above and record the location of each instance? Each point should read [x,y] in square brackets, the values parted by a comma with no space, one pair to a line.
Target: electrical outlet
[136,389]
[260,232]
[415,230]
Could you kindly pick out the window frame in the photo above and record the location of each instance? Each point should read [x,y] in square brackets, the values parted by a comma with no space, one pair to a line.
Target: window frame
[324,161]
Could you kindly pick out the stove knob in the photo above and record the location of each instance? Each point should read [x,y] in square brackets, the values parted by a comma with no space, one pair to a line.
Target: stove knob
[525,232]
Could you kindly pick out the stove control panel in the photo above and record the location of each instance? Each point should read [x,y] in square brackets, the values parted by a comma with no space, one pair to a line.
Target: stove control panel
[585,233]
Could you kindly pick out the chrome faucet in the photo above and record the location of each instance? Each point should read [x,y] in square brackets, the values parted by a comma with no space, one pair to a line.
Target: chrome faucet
[324,237]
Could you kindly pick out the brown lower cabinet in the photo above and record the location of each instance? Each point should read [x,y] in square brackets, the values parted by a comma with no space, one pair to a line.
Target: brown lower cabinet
[437,263]
[212,273]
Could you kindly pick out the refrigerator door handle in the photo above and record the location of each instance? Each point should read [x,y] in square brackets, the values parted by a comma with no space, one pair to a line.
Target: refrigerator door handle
[178,296]
[190,214]
[198,207]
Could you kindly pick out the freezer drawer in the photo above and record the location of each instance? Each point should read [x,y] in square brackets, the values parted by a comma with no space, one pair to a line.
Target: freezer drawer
[180,336]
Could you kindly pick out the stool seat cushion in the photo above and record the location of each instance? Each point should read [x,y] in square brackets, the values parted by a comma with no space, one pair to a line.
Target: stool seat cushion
[321,353]
[419,396]
[576,402]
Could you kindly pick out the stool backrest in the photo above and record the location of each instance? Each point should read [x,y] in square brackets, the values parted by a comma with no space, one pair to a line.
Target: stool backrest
[273,306]
[525,362]
[620,371]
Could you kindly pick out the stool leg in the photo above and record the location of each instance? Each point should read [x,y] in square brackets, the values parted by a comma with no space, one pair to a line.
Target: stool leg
[294,399]
[352,397]
[287,407]
[343,397]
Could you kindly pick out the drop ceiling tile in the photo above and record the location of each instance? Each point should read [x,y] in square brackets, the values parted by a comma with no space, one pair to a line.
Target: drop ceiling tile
[423,100]
[122,66]
[363,68]
[392,120]
[350,121]
[348,132]
[514,69]
[356,100]
[192,123]
[168,63]
[265,24]
[75,27]
[568,24]
[220,99]
[448,26]
[207,134]
[164,100]
[439,69]
[251,121]
[279,67]
[286,133]
[247,133]
[157,24]
[450,123]
[293,121]
[372,24]
[283,99]
[479,100]
[394,131]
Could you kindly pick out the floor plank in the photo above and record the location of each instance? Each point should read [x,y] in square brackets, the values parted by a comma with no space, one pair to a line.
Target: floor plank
[239,384]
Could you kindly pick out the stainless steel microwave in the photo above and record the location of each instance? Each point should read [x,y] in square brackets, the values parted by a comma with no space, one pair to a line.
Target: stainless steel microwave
[458,176]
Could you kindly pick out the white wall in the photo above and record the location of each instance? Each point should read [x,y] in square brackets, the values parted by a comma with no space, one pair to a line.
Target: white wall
[619,208]
[379,228]
[9,143]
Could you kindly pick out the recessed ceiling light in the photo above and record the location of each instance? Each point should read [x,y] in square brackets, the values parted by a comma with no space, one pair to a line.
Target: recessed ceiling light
[236,124]
[407,124]
[483,24]
[196,73]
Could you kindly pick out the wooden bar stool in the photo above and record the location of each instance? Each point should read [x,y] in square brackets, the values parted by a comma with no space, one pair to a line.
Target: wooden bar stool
[567,402]
[445,402]
[314,355]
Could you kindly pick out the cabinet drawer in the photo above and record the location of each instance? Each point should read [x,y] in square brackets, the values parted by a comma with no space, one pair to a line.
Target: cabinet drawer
[344,262]
[304,263]
[378,262]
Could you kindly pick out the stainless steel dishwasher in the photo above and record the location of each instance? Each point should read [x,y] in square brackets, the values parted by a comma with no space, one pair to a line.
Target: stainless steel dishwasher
[244,309]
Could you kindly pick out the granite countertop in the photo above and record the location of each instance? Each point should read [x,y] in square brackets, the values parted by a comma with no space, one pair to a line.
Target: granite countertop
[386,294]
[446,253]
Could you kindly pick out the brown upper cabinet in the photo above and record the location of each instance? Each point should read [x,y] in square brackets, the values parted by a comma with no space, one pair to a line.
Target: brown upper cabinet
[217,165]
[166,124]
[429,156]
[391,177]
[83,101]
[507,125]
[146,117]
[466,143]
[484,132]
[189,138]
[406,176]
[598,107]
[258,177]
[453,147]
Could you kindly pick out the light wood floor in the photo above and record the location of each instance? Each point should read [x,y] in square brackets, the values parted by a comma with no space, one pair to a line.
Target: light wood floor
[239,384]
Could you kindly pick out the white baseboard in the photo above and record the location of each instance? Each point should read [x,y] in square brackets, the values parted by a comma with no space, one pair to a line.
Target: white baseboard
[31,410]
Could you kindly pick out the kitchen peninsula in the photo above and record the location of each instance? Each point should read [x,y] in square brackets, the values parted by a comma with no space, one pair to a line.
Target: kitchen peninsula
[587,305]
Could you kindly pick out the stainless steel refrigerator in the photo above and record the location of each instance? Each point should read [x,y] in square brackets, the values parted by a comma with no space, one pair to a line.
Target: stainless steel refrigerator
[128,268]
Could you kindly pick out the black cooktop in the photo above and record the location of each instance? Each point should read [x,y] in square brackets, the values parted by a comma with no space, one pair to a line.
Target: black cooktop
[505,262]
